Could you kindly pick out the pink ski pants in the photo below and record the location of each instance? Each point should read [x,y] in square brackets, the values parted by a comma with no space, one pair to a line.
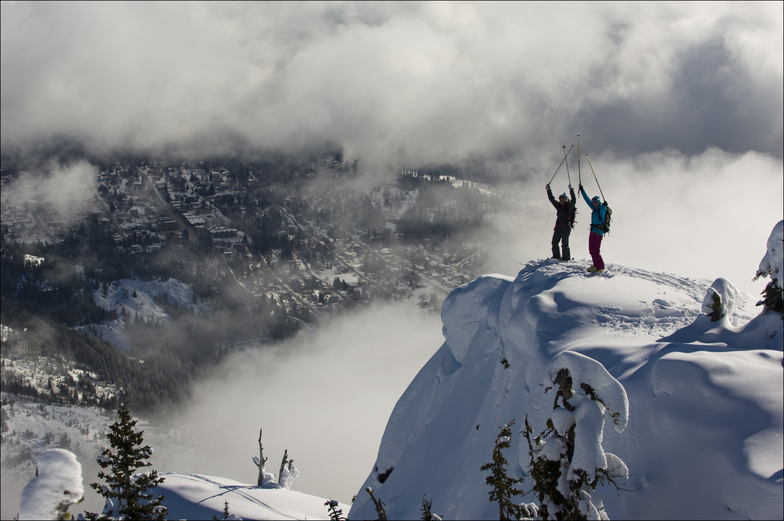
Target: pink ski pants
[594,245]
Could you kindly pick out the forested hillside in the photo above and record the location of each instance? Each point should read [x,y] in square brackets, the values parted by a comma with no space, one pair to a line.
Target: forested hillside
[266,246]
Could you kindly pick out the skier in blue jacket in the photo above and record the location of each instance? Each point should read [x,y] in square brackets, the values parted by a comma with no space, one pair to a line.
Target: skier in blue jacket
[598,212]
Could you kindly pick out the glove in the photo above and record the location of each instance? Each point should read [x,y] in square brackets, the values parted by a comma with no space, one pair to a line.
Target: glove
[570,187]
[547,187]
[580,189]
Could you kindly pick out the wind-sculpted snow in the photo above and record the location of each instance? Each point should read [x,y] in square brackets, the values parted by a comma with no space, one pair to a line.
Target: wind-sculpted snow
[701,401]
[467,307]
[729,297]
[587,371]
[56,486]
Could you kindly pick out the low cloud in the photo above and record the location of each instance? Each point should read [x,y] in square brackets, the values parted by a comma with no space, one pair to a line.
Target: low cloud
[64,189]
[423,82]
[325,396]
[69,185]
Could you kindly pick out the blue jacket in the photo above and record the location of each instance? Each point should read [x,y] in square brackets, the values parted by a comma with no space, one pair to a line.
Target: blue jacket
[597,214]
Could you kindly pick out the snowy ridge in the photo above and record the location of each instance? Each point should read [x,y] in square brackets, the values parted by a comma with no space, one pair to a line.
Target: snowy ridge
[704,414]
[194,496]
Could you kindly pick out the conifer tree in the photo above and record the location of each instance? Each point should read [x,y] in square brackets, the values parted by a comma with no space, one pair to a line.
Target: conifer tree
[427,512]
[226,513]
[716,313]
[773,294]
[335,513]
[565,492]
[503,485]
[126,492]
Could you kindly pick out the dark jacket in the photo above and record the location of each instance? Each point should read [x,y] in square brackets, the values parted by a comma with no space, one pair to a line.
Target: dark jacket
[563,220]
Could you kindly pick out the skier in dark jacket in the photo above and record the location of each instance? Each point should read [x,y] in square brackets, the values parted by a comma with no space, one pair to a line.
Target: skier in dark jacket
[563,223]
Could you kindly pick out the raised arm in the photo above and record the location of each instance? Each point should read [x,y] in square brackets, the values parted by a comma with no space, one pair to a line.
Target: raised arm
[550,196]
[587,199]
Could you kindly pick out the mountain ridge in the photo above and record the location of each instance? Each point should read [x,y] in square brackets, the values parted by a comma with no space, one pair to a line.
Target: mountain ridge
[651,332]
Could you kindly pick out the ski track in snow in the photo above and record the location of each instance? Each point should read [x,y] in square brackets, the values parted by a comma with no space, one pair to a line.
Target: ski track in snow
[673,302]
[197,496]
[225,488]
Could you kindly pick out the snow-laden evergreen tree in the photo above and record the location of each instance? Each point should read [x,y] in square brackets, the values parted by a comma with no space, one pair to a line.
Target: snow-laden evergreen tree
[335,512]
[567,460]
[125,490]
[772,266]
[716,313]
[503,486]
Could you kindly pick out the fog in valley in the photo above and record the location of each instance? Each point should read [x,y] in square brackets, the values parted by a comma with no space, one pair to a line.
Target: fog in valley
[325,396]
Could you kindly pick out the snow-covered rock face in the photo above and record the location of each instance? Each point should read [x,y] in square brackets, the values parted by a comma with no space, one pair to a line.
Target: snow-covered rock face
[465,309]
[701,401]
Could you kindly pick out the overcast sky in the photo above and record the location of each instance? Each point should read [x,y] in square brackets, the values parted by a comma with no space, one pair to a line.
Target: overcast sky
[417,81]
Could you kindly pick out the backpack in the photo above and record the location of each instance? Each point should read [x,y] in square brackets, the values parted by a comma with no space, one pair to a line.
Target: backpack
[605,226]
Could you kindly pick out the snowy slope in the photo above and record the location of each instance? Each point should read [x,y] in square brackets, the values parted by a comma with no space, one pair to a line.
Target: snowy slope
[193,496]
[187,496]
[136,297]
[35,427]
[704,434]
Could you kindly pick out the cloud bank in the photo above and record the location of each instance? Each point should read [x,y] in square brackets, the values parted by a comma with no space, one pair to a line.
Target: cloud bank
[396,83]
[325,397]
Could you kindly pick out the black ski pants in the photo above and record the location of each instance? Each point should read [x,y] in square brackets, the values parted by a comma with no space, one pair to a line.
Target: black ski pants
[561,235]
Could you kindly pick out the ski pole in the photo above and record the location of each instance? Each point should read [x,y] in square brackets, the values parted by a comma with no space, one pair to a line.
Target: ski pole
[562,162]
[568,175]
[594,176]
[579,178]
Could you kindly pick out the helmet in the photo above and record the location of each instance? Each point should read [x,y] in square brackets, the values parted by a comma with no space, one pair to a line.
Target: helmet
[596,199]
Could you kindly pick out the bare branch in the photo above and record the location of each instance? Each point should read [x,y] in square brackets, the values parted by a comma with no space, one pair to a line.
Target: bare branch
[261,463]
[283,463]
